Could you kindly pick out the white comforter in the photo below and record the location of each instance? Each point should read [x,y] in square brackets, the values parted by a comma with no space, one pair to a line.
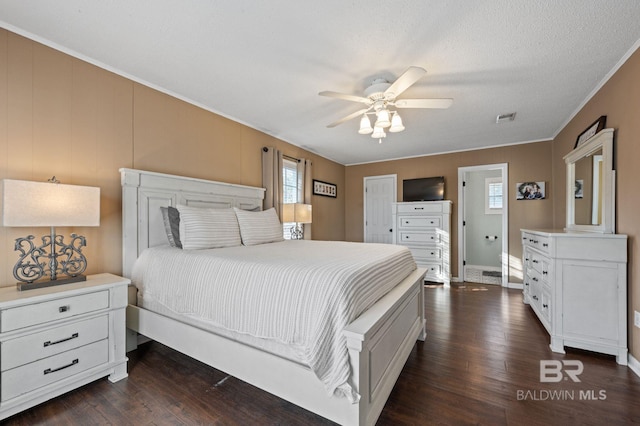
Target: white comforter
[300,293]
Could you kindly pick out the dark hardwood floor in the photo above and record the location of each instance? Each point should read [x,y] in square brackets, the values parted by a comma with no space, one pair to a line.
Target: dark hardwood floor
[480,364]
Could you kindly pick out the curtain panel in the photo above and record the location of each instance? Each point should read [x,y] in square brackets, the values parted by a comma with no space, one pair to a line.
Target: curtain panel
[272,179]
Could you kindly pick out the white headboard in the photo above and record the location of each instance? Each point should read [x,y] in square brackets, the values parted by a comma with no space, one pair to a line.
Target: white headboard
[143,193]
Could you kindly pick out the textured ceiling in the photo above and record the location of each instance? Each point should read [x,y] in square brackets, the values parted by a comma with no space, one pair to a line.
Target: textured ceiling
[262,63]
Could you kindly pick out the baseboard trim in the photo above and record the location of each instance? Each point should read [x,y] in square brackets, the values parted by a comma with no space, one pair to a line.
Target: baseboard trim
[633,364]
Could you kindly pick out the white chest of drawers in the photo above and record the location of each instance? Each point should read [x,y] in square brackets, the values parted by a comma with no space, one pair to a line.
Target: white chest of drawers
[576,283]
[55,339]
[425,228]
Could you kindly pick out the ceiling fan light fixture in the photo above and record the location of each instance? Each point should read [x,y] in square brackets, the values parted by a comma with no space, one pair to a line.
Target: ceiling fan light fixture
[378,133]
[383,118]
[365,125]
[396,123]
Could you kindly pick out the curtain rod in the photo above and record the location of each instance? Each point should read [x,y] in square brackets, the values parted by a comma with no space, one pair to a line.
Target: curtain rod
[288,157]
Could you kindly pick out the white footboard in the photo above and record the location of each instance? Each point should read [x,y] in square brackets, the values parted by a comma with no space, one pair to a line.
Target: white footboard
[379,341]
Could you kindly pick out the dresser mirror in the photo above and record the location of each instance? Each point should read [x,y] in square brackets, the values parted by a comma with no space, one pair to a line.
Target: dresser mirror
[590,185]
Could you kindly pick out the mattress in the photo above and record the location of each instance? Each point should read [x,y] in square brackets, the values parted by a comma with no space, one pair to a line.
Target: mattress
[292,298]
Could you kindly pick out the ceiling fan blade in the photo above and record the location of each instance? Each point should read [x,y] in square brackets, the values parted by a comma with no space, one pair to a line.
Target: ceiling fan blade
[424,103]
[352,98]
[348,117]
[410,76]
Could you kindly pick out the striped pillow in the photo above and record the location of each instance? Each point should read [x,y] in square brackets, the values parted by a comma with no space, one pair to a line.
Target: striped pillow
[259,227]
[202,228]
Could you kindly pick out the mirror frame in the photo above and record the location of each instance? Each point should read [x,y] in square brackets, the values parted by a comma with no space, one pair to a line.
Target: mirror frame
[604,140]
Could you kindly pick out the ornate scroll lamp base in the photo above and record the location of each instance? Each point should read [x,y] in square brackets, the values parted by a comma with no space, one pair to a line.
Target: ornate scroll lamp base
[297,232]
[38,263]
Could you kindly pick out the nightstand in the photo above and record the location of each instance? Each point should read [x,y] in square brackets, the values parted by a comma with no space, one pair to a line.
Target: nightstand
[56,339]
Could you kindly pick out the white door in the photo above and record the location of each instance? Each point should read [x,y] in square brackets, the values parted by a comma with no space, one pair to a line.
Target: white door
[379,193]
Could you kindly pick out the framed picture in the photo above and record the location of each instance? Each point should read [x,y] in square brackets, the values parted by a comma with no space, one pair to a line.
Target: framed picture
[594,128]
[578,188]
[325,189]
[530,191]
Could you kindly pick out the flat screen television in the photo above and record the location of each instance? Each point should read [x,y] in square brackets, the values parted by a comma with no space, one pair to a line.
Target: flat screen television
[423,189]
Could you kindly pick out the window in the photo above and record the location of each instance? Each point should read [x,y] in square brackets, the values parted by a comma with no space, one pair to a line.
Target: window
[493,196]
[289,190]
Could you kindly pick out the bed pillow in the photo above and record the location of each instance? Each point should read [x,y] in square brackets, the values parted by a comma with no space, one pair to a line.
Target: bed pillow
[259,227]
[203,228]
[171,219]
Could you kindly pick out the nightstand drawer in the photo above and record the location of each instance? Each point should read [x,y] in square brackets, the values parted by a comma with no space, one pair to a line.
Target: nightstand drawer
[32,376]
[38,313]
[419,222]
[33,347]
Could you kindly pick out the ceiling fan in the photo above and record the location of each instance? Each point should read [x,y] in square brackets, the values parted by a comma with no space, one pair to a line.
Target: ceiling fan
[382,95]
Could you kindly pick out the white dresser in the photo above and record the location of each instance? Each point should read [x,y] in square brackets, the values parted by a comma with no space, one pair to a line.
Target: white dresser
[576,283]
[55,339]
[425,228]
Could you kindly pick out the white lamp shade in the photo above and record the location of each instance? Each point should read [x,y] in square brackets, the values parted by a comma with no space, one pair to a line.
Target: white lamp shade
[396,123]
[26,203]
[378,132]
[296,212]
[383,119]
[365,125]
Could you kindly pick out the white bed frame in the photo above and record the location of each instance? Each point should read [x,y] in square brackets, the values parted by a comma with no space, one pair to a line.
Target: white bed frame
[379,341]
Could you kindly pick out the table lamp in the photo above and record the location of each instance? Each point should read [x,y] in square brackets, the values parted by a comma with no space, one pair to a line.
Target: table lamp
[298,213]
[50,204]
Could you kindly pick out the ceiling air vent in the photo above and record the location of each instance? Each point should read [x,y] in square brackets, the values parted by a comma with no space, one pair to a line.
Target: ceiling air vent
[506,117]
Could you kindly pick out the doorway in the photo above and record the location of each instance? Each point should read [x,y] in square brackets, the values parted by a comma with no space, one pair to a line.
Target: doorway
[483,224]
[379,193]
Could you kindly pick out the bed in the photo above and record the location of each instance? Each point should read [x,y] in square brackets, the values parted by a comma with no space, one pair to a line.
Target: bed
[377,342]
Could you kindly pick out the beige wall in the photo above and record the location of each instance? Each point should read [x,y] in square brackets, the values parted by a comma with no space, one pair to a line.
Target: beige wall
[619,100]
[528,162]
[61,116]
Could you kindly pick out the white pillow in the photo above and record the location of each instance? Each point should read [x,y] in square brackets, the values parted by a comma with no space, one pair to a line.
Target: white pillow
[259,227]
[202,228]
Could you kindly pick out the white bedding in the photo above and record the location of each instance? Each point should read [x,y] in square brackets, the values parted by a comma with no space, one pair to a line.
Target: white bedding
[298,293]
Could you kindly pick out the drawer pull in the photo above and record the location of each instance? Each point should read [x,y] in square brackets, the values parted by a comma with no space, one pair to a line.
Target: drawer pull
[406,237]
[545,245]
[432,253]
[545,272]
[535,279]
[535,297]
[49,371]
[545,305]
[535,261]
[418,208]
[50,343]
[62,309]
